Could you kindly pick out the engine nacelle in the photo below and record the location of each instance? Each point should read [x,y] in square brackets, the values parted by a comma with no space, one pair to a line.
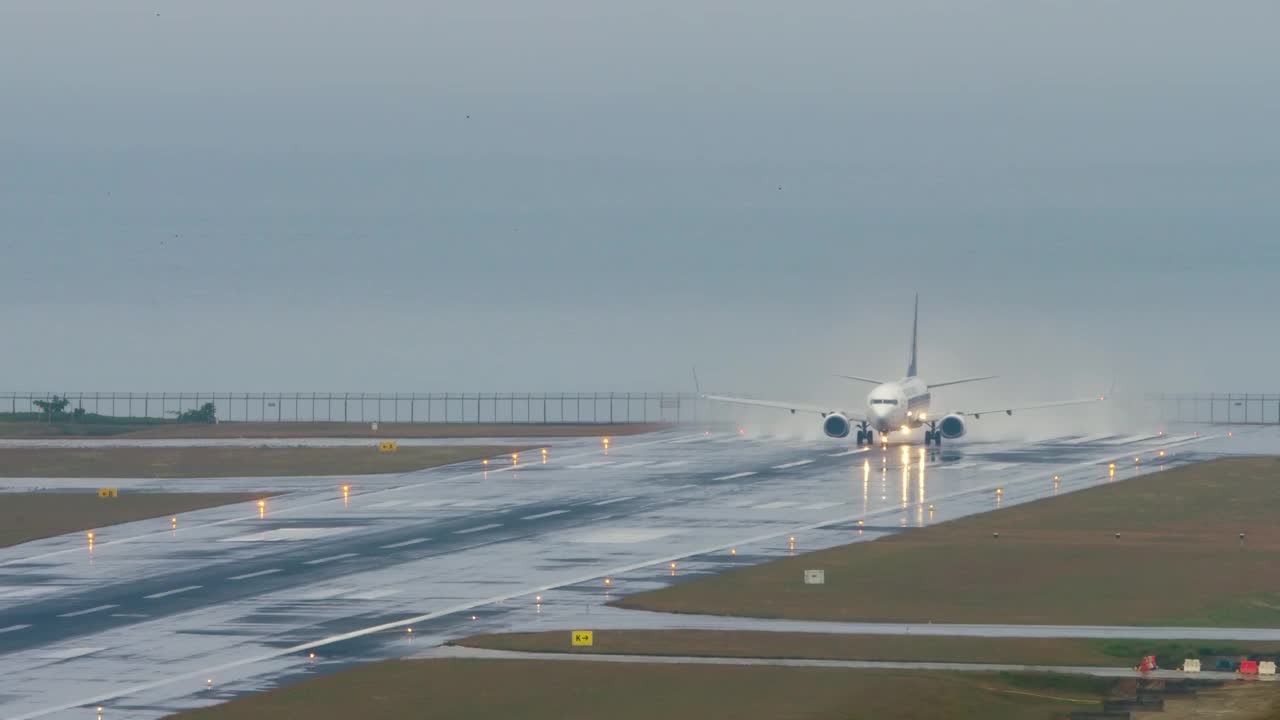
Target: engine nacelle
[952,427]
[836,425]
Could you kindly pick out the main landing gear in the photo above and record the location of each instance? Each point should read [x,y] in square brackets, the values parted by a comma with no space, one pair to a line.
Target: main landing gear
[933,435]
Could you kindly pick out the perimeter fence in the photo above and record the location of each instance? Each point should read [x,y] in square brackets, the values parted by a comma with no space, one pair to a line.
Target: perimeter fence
[634,407]
[1219,408]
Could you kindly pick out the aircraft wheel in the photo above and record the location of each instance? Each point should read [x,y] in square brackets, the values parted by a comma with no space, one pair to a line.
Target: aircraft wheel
[928,436]
[871,437]
[937,439]
[862,436]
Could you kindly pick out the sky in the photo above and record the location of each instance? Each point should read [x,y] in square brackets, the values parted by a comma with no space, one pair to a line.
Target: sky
[572,195]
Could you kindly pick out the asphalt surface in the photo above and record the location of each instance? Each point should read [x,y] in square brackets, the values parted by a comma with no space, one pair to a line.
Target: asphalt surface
[153,620]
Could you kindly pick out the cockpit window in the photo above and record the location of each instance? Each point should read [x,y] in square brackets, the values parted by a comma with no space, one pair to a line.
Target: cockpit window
[883,401]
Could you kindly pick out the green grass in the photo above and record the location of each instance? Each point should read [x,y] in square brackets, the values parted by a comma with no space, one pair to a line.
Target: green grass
[1178,562]
[180,462]
[481,689]
[1021,651]
[31,516]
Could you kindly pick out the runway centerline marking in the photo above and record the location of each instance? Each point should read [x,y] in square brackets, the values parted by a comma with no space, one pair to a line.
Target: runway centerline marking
[78,613]
[331,558]
[468,531]
[797,463]
[167,593]
[735,476]
[260,573]
[405,543]
[848,452]
[615,500]
[13,628]
[539,516]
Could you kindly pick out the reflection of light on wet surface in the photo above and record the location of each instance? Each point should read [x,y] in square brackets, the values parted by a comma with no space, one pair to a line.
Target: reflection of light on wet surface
[866,483]
[920,493]
[906,485]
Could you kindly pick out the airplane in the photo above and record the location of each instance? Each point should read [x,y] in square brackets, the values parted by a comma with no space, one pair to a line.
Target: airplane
[898,406]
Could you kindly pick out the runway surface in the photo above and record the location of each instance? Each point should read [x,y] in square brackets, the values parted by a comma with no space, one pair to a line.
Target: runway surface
[153,620]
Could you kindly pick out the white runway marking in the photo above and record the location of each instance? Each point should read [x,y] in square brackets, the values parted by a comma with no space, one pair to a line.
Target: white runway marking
[331,558]
[584,466]
[821,506]
[671,464]
[797,463]
[260,573]
[539,516]
[372,594]
[405,543]
[78,613]
[1090,439]
[67,653]
[632,464]
[167,593]
[621,535]
[468,531]
[615,500]
[695,438]
[289,534]
[848,452]
[735,476]
[13,628]
[775,505]
[1129,440]
[428,503]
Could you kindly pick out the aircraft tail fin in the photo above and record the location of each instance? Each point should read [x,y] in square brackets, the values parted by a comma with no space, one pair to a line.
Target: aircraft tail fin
[915,323]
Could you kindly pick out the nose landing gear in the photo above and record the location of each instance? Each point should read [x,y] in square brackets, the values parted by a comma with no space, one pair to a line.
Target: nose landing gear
[866,436]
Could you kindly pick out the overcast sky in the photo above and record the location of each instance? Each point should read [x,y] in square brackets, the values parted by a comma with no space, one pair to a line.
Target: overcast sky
[584,195]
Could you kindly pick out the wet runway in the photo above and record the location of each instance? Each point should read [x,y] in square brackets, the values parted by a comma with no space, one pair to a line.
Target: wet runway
[152,619]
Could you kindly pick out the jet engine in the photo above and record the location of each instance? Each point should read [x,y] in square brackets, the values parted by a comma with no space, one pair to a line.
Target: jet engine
[952,426]
[836,425]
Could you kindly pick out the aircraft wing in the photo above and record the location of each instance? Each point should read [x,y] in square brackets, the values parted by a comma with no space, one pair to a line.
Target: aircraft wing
[1010,410]
[793,407]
